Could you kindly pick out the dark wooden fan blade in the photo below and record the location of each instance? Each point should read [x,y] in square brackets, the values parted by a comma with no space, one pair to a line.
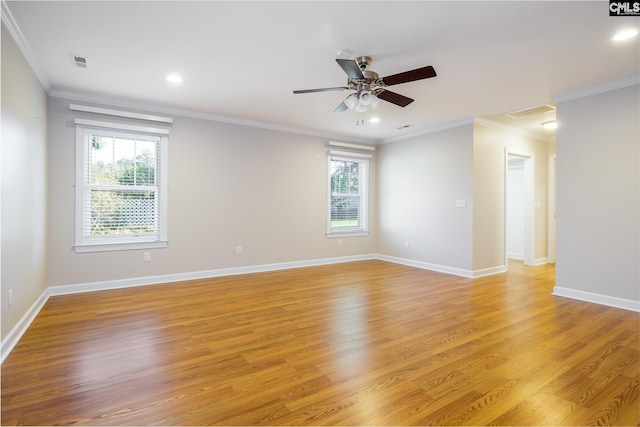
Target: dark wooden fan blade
[326,89]
[341,107]
[394,98]
[351,67]
[410,76]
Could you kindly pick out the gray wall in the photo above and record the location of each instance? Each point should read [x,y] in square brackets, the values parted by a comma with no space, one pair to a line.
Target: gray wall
[24,185]
[598,194]
[232,185]
[419,182]
[421,179]
[229,186]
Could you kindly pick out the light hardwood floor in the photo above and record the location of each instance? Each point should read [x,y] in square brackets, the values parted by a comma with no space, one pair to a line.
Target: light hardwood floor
[361,343]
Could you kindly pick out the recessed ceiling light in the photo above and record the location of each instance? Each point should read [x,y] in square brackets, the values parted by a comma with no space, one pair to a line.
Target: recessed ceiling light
[374,120]
[174,78]
[552,124]
[625,35]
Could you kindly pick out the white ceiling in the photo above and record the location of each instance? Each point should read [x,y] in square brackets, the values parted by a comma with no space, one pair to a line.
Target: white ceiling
[242,60]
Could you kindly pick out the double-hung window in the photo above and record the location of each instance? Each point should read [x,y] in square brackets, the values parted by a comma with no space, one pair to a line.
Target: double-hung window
[348,201]
[121,187]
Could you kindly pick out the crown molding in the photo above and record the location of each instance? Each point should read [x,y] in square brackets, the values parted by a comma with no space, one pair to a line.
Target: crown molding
[14,30]
[434,129]
[156,108]
[522,132]
[594,90]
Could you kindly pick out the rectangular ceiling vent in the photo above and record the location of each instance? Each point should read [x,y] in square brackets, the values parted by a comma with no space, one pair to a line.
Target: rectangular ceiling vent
[80,61]
[531,111]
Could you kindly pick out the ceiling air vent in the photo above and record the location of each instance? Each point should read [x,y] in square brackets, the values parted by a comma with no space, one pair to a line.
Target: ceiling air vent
[531,111]
[80,61]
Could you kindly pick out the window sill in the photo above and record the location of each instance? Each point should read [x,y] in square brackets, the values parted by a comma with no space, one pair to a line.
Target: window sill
[119,246]
[341,234]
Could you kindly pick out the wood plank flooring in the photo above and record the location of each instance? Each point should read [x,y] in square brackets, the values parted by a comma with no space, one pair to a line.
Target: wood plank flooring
[361,343]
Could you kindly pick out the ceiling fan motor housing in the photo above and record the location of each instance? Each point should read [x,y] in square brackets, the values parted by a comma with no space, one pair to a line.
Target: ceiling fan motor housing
[370,76]
[363,62]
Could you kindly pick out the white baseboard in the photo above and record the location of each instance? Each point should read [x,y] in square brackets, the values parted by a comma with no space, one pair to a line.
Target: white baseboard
[206,274]
[626,304]
[470,274]
[14,335]
[489,271]
[21,327]
[537,261]
[426,266]
[12,338]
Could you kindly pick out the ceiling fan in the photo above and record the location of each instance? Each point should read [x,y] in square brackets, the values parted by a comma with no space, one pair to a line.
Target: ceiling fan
[369,87]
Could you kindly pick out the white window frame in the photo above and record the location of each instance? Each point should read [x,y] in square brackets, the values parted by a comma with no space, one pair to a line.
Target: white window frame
[85,243]
[363,227]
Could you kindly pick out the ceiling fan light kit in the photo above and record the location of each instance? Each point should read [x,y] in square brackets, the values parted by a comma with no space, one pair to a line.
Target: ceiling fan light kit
[366,97]
[369,88]
[351,101]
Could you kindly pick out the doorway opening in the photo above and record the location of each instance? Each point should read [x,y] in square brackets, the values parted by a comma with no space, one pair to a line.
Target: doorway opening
[519,205]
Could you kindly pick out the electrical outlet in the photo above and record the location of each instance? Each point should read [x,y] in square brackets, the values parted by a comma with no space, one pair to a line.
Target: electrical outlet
[238,250]
[406,244]
[10,298]
[339,242]
[147,256]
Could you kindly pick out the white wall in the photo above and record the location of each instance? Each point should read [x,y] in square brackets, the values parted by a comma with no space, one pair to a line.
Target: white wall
[229,185]
[419,181]
[598,194]
[24,185]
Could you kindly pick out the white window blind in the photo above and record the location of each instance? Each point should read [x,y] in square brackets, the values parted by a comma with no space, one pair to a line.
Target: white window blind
[120,189]
[348,199]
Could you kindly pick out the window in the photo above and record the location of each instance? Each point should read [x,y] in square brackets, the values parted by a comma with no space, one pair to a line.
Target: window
[121,187]
[348,196]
